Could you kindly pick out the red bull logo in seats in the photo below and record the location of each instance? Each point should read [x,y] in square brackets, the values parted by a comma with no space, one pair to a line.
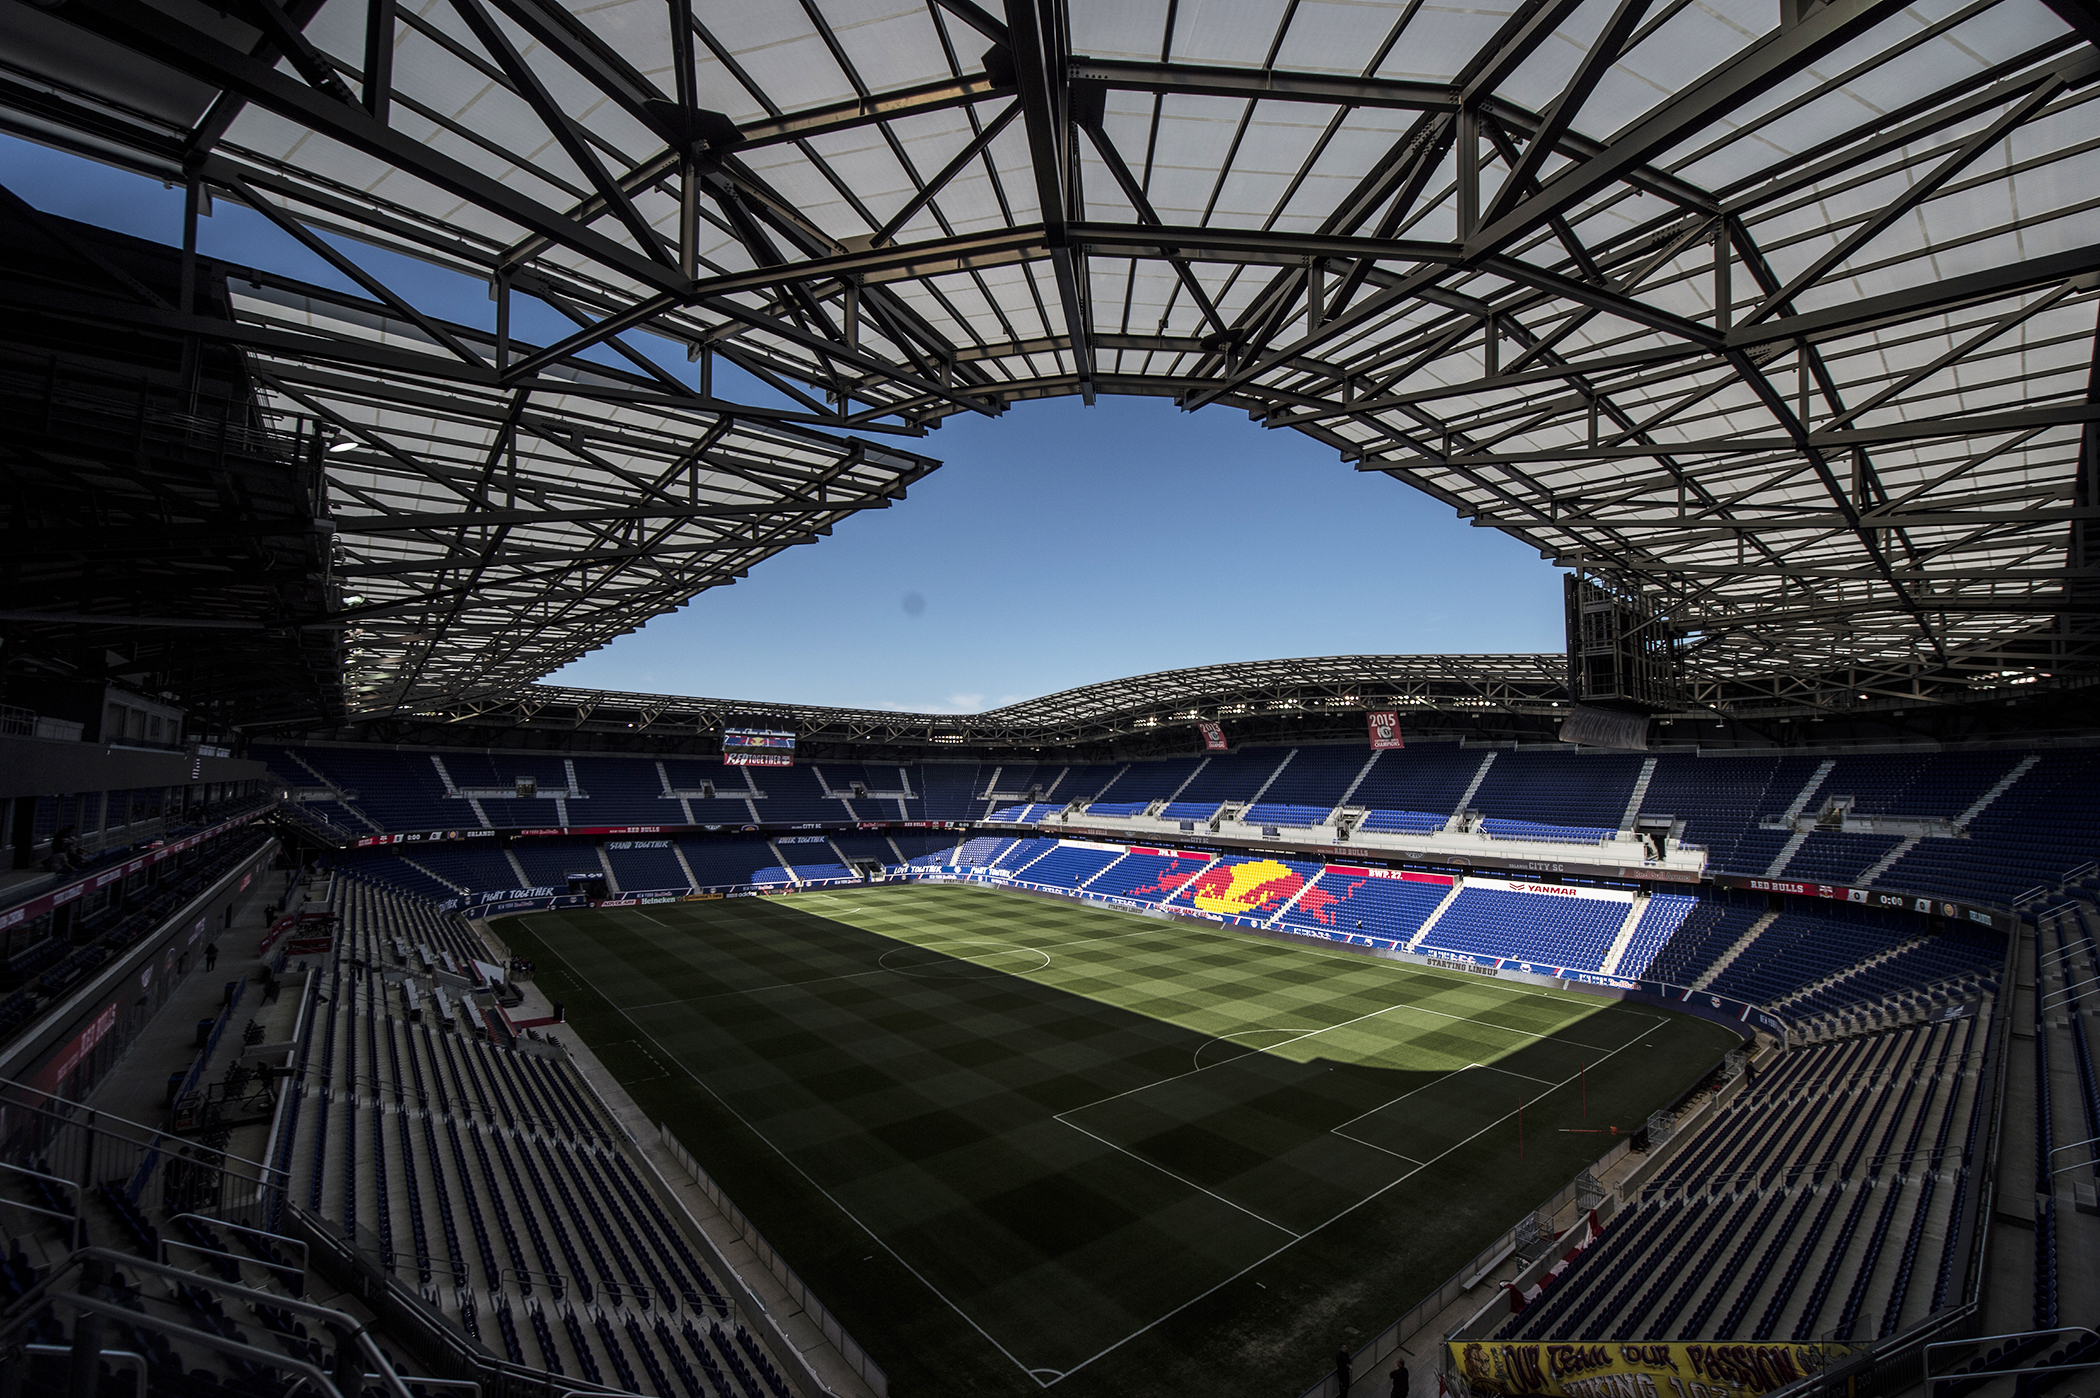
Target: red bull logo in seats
[1258,886]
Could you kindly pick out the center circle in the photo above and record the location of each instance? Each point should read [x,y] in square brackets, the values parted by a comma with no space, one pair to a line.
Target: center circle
[940,963]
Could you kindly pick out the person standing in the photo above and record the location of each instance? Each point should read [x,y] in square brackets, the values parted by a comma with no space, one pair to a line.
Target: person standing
[211,955]
[1400,1380]
[1341,1371]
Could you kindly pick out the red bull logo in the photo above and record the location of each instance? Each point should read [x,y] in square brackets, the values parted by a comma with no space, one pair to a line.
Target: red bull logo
[1258,886]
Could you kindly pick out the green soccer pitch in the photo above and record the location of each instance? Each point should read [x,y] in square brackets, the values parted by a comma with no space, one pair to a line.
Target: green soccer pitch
[1018,1143]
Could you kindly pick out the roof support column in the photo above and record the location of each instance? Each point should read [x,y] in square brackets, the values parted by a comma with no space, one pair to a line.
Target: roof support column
[1042,49]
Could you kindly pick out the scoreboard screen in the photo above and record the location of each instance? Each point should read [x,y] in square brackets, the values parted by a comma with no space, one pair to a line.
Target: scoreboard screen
[757,747]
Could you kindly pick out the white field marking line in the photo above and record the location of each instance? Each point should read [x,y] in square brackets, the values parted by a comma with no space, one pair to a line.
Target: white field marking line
[1440,1081]
[1196,1058]
[1337,1131]
[1161,1082]
[1337,1218]
[1511,1072]
[1181,1179]
[828,1195]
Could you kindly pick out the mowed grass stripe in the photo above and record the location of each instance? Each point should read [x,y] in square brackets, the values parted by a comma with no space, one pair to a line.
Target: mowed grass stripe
[1069,1147]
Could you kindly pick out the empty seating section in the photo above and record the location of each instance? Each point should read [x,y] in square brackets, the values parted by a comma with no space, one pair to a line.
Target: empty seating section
[1533,830]
[1798,949]
[721,863]
[549,863]
[1357,907]
[1150,781]
[1721,798]
[1233,776]
[1659,922]
[980,852]
[491,1179]
[2030,837]
[1403,822]
[638,868]
[1714,924]
[791,795]
[1281,813]
[1145,877]
[1068,866]
[947,789]
[1317,776]
[1826,1196]
[2037,816]
[1429,778]
[1254,886]
[1833,857]
[1896,784]
[1119,809]
[1582,790]
[1549,928]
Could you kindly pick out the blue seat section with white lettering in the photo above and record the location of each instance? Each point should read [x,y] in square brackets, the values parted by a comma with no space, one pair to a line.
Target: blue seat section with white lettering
[1553,929]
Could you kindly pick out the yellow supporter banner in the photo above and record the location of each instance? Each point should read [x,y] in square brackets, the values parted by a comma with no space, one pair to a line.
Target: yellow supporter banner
[1678,1369]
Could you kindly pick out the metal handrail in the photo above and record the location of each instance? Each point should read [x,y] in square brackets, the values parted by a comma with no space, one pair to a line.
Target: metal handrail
[1932,1378]
[352,1332]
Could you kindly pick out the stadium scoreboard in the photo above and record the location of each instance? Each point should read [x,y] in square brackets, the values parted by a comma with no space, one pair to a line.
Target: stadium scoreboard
[757,747]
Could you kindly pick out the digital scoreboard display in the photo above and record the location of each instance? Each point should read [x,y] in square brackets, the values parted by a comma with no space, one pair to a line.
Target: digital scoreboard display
[757,747]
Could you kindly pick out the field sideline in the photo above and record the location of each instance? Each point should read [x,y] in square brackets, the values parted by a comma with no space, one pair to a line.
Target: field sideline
[1018,1143]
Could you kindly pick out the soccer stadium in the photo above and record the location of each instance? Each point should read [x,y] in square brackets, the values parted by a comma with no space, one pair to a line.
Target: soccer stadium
[1697,1003]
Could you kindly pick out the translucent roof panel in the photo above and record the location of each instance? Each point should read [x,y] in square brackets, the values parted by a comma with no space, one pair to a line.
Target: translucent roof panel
[1780,312]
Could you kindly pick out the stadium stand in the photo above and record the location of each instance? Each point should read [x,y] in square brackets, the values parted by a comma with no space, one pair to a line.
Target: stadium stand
[482,1169]
[1817,1195]
[2002,825]
[1556,930]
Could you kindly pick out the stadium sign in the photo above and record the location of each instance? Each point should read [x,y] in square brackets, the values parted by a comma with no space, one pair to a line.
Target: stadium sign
[1890,899]
[1385,731]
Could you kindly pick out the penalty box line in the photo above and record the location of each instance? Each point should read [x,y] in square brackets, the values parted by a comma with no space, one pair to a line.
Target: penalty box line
[1382,1189]
[833,1199]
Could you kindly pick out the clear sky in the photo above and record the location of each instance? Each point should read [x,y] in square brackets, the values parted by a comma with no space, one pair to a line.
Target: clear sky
[1059,544]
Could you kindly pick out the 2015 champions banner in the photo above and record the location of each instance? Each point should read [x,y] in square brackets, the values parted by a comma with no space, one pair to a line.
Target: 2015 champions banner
[1678,1369]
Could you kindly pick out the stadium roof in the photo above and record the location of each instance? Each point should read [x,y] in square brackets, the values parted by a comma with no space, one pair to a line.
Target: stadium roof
[1168,700]
[1784,313]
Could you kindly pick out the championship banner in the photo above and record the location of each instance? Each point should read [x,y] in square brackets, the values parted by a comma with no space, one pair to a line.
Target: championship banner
[1678,1369]
[1213,736]
[1385,731]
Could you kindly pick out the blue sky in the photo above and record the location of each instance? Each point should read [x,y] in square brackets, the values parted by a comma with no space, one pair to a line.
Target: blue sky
[1059,544]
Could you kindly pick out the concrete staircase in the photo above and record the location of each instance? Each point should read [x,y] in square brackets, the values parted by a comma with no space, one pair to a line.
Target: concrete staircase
[1287,756]
[1982,803]
[1472,787]
[1736,948]
[524,879]
[1343,804]
[1458,887]
[342,798]
[1843,973]
[1624,940]
[679,855]
[1786,851]
[1198,771]
[428,872]
[1887,861]
[612,880]
[1640,793]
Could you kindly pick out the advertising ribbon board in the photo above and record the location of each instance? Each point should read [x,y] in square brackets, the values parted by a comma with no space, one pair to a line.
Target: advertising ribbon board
[1385,731]
[1614,1369]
